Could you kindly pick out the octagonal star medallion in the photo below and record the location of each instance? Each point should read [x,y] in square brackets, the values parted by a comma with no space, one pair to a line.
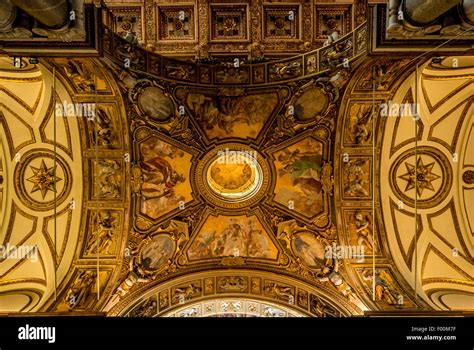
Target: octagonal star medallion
[419,176]
[43,179]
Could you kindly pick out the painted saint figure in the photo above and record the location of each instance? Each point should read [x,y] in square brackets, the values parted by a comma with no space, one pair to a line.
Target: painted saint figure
[237,238]
[310,250]
[102,237]
[159,177]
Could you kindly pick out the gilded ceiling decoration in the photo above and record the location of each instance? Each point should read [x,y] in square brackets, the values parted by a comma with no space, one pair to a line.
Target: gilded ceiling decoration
[234,294]
[46,180]
[433,176]
[441,158]
[422,173]
[417,185]
[200,29]
[49,163]
[224,308]
[28,164]
[192,192]
[236,159]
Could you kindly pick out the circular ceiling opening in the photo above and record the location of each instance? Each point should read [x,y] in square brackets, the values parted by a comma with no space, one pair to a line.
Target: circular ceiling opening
[233,176]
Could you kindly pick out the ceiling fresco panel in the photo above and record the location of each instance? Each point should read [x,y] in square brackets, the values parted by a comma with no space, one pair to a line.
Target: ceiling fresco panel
[241,116]
[229,236]
[298,184]
[165,171]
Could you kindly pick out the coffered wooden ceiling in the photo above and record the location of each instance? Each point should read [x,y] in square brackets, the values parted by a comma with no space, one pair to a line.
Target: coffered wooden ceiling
[222,28]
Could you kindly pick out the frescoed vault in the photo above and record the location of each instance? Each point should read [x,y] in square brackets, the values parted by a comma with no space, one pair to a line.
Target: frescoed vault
[224,185]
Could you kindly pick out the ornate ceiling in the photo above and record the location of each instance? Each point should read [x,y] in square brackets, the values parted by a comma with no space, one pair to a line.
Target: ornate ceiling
[415,176]
[244,29]
[444,217]
[278,187]
[29,203]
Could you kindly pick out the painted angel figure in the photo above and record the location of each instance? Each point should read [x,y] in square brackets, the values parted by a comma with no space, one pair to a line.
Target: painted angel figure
[147,309]
[185,293]
[79,293]
[362,127]
[384,289]
[80,75]
[108,178]
[281,292]
[364,233]
[102,238]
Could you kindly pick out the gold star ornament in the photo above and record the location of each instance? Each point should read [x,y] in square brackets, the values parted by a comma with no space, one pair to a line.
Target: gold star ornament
[43,179]
[420,176]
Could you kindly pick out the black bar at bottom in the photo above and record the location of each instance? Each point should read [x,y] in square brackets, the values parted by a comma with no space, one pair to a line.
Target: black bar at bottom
[122,333]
